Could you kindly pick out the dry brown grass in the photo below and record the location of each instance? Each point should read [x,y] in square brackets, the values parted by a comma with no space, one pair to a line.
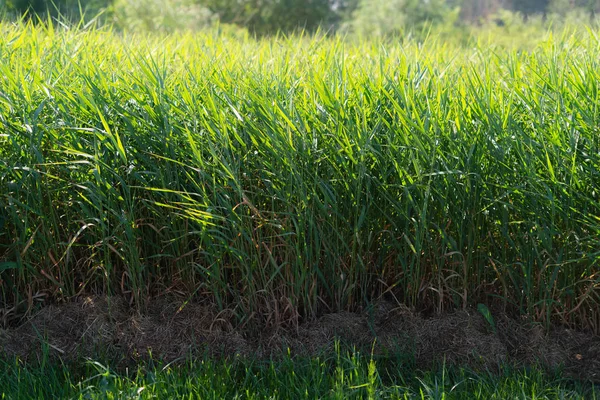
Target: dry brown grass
[172,330]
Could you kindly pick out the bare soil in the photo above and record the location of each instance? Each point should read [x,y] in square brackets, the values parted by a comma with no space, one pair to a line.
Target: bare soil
[173,330]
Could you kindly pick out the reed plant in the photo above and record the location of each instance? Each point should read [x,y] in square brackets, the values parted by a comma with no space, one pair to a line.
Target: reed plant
[283,178]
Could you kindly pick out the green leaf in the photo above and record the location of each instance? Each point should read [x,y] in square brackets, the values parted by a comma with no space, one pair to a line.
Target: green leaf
[8,265]
[485,311]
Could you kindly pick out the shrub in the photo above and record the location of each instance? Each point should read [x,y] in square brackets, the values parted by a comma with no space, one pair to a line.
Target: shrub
[161,15]
[392,17]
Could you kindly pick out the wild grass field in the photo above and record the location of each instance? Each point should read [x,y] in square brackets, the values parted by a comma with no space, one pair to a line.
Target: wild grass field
[286,178]
[282,179]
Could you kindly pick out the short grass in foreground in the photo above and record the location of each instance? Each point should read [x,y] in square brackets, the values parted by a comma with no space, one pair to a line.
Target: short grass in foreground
[348,375]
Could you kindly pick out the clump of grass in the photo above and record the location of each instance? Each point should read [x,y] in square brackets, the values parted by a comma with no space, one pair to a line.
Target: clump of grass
[283,178]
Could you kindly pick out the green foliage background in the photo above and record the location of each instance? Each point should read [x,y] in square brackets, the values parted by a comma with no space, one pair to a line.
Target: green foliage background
[262,17]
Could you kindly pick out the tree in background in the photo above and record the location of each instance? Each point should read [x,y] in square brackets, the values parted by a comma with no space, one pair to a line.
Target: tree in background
[528,7]
[66,8]
[261,17]
[390,17]
[268,16]
[160,15]
[563,6]
[475,10]
[24,6]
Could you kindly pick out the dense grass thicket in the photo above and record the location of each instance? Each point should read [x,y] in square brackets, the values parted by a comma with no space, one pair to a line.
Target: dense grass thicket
[284,178]
[346,375]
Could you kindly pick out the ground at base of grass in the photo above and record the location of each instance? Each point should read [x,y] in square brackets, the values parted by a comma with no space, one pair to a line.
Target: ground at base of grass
[346,374]
[173,330]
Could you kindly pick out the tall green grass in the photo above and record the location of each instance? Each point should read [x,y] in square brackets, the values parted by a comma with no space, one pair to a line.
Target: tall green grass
[284,178]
